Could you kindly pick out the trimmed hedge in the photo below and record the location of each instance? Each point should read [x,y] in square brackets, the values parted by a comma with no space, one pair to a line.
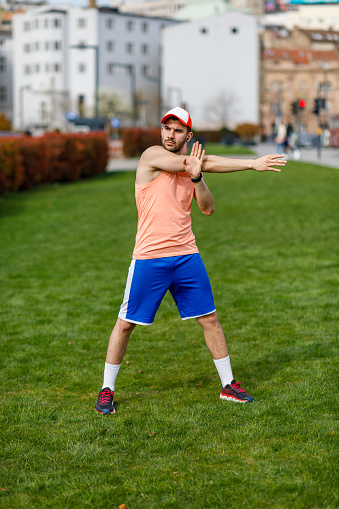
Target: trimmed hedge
[136,140]
[28,162]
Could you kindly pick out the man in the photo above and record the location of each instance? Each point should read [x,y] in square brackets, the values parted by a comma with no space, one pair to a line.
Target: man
[165,255]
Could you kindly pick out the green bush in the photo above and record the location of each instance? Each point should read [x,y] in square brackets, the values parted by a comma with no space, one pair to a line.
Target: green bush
[27,162]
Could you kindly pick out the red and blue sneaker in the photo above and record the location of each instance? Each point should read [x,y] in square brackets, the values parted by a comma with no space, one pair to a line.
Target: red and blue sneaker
[233,392]
[104,405]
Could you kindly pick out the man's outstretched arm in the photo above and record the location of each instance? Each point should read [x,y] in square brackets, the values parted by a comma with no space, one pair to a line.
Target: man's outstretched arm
[217,164]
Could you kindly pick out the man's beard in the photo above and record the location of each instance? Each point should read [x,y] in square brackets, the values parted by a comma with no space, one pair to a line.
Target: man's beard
[173,148]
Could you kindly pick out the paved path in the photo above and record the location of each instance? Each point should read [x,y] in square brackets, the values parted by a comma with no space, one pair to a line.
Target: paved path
[329,157]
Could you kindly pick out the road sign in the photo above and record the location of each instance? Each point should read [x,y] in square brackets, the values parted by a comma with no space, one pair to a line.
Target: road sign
[71,115]
[115,123]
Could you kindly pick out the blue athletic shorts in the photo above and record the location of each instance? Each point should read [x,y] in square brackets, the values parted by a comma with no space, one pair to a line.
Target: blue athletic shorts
[148,281]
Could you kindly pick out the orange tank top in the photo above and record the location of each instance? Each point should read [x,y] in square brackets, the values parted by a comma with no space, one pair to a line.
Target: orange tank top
[164,217]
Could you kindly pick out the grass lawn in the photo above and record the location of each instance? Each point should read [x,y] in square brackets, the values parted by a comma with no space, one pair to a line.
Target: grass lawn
[219,150]
[271,250]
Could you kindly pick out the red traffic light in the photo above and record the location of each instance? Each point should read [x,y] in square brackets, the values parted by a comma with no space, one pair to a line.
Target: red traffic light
[302,103]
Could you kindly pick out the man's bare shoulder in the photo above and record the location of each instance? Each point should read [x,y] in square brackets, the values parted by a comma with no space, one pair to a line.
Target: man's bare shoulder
[155,160]
[147,169]
[150,153]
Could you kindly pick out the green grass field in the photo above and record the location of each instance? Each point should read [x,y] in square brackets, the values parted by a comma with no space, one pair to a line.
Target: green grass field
[271,250]
[219,149]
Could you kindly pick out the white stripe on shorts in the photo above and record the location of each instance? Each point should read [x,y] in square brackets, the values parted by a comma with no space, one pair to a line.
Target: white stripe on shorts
[124,305]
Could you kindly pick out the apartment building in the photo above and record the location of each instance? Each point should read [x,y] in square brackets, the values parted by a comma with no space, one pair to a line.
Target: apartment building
[186,9]
[6,82]
[299,64]
[66,57]
[158,8]
[212,65]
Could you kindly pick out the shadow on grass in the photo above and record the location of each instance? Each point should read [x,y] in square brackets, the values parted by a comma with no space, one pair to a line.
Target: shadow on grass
[275,361]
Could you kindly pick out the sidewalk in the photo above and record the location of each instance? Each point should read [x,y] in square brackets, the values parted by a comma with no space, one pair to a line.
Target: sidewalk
[329,157]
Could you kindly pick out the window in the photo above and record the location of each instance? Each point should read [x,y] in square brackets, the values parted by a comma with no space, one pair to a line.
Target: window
[110,23]
[110,45]
[56,22]
[234,30]
[81,23]
[3,94]
[37,68]
[325,86]
[27,69]
[46,45]
[130,47]
[274,108]
[111,68]
[27,48]
[81,105]
[145,27]
[47,67]
[27,26]
[46,23]
[37,46]
[302,86]
[57,67]
[82,67]
[43,112]
[57,44]
[36,23]
[146,70]
[145,49]
[2,64]
[204,31]
[276,86]
[130,26]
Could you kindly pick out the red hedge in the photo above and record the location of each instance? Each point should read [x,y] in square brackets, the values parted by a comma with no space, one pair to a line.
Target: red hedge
[136,140]
[27,162]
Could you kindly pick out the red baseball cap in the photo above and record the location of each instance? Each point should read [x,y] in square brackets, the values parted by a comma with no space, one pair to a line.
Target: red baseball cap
[180,114]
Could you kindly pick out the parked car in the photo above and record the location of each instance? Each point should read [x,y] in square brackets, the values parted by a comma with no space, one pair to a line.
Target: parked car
[307,140]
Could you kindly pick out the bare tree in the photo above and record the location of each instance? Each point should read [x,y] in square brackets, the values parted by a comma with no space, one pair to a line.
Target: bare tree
[221,109]
[111,104]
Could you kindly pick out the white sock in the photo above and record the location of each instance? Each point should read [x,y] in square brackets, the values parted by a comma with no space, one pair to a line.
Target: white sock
[110,374]
[224,369]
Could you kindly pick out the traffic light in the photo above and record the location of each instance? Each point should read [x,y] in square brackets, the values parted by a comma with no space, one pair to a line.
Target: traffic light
[319,104]
[322,103]
[297,106]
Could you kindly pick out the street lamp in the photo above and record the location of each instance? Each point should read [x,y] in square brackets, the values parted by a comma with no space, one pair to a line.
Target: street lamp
[96,49]
[21,104]
[156,80]
[179,93]
[131,71]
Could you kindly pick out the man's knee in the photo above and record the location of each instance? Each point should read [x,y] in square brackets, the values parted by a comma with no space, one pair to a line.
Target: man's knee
[124,326]
[210,320]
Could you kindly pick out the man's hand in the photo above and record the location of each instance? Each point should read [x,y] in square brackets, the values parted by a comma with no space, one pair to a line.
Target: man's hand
[193,163]
[266,163]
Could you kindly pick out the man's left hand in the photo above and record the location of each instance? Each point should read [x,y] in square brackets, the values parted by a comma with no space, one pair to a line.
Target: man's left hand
[193,163]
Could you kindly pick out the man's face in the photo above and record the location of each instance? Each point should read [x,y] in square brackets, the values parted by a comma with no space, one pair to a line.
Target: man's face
[173,135]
